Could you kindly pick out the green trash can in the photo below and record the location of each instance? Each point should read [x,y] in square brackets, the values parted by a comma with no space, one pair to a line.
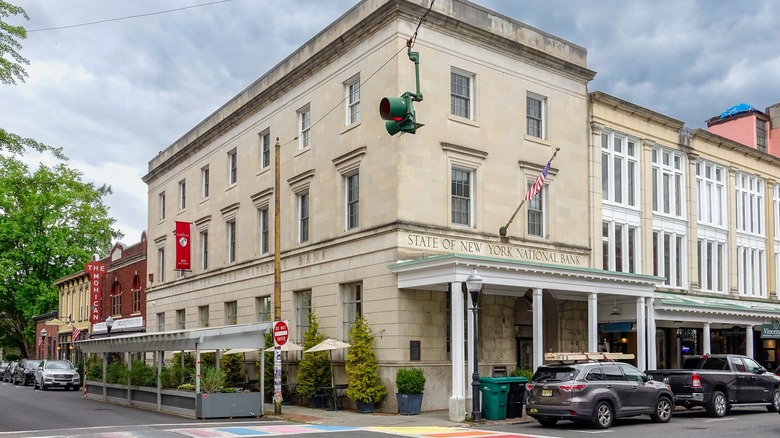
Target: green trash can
[494,391]
[515,398]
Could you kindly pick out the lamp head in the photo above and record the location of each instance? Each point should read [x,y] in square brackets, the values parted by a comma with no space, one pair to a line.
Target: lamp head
[43,333]
[474,285]
[109,322]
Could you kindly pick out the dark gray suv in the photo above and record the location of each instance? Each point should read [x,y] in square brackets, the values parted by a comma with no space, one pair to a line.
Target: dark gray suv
[597,393]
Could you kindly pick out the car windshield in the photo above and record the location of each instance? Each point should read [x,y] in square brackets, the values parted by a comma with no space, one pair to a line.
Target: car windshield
[558,374]
[59,365]
[32,364]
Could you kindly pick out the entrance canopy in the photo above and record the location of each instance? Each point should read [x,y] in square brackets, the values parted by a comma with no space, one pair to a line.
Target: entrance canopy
[232,336]
[726,311]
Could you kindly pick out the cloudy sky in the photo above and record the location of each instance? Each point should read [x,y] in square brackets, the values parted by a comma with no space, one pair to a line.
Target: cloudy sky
[116,92]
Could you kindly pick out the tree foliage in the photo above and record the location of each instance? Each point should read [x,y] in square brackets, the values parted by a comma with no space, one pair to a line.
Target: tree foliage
[362,369]
[51,222]
[11,61]
[314,368]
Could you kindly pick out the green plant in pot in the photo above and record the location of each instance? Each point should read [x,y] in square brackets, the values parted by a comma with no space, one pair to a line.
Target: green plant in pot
[410,383]
[314,368]
[362,370]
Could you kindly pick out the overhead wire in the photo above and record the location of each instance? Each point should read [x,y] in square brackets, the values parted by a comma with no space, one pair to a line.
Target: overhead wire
[127,17]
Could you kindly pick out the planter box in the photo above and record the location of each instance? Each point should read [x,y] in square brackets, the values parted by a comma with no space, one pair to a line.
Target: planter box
[365,408]
[409,404]
[229,405]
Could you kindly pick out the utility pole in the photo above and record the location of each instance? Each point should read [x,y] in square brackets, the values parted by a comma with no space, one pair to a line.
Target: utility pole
[277,278]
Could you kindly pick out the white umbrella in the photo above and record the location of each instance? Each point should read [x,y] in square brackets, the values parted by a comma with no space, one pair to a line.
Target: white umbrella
[328,345]
[288,346]
[239,350]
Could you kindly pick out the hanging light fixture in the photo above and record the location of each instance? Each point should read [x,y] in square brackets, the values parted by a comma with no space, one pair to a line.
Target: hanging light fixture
[615,310]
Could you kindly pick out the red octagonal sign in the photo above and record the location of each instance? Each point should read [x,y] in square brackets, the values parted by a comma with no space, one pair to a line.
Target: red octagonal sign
[280,333]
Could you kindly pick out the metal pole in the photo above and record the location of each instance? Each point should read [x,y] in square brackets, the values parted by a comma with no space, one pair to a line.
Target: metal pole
[476,413]
[277,264]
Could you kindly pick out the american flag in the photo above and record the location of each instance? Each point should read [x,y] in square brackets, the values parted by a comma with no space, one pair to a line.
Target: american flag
[536,187]
[75,335]
[40,341]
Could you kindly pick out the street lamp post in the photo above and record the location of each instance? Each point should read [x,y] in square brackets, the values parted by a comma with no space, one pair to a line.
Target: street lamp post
[474,285]
[43,338]
[109,324]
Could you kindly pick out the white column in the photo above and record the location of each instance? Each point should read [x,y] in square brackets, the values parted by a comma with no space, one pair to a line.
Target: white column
[652,359]
[593,322]
[470,344]
[457,403]
[538,329]
[749,341]
[641,335]
[705,343]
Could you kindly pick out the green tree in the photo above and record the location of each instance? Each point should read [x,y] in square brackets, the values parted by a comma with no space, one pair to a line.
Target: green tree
[314,368]
[362,369]
[11,61]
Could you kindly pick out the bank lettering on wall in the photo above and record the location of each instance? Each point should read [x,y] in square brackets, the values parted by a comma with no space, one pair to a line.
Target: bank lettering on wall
[95,271]
[463,246]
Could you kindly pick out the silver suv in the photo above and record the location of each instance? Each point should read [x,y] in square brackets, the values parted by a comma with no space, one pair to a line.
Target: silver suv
[56,374]
[597,393]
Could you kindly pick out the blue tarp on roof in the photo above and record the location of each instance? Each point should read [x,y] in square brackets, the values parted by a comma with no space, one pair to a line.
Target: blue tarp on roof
[736,109]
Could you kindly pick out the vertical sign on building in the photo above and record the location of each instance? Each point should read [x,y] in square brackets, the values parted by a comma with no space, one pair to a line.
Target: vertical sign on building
[95,271]
[182,246]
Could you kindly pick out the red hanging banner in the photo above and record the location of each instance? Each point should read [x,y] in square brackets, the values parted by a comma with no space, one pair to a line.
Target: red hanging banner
[182,246]
[95,271]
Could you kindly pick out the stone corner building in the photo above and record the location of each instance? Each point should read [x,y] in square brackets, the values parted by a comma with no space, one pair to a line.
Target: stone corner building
[391,226]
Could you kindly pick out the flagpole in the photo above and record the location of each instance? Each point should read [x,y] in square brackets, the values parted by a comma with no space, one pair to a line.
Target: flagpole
[502,230]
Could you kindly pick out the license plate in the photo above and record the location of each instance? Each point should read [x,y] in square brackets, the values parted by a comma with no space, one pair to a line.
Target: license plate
[547,393]
[60,383]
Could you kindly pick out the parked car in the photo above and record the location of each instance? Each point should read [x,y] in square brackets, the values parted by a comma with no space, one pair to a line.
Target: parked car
[720,381]
[8,375]
[596,393]
[56,374]
[25,371]
[3,367]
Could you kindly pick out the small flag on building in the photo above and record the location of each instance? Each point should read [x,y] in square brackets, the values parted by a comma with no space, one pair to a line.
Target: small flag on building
[40,341]
[75,335]
[536,187]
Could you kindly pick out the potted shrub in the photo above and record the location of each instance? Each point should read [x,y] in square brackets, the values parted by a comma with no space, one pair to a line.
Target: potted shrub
[314,368]
[410,383]
[363,383]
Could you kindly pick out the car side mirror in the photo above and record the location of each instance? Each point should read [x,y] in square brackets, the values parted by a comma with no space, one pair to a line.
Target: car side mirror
[648,378]
[760,370]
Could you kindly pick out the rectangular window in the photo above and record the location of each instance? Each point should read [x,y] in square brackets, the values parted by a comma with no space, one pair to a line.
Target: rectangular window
[304,128]
[353,200]
[302,311]
[231,237]
[116,302]
[231,313]
[353,305]
[534,116]
[161,322]
[711,193]
[303,217]
[232,166]
[751,269]
[619,164]
[461,94]
[263,308]
[203,316]
[712,265]
[161,264]
[180,320]
[462,192]
[668,177]
[750,204]
[669,258]
[761,135]
[204,250]
[352,88]
[182,194]
[137,300]
[619,244]
[536,213]
[204,182]
[265,150]
[161,199]
[264,231]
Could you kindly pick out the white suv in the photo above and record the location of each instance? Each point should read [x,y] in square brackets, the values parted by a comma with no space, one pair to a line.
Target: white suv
[56,374]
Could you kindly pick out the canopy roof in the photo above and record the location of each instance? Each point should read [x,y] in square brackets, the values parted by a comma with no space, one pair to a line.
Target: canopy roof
[232,336]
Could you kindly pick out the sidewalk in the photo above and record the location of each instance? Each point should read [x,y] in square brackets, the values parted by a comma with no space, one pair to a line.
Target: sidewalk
[305,414]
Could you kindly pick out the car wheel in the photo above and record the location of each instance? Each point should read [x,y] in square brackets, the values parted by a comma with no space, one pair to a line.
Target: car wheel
[547,421]
[663,410]
[44,387]
[603,416]
[775,405]
[718,405]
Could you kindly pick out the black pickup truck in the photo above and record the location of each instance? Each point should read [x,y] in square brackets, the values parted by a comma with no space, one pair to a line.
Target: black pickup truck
[720,381]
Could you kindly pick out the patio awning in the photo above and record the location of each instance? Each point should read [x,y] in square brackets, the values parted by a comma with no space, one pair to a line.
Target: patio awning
[715,309]
[250,336]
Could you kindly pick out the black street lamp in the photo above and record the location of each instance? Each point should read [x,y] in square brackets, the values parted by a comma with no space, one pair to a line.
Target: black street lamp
[43,338]
[474,285]
[109,324]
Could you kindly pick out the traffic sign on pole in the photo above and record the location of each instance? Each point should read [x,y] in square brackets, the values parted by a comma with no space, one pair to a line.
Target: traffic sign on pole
[280,333]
